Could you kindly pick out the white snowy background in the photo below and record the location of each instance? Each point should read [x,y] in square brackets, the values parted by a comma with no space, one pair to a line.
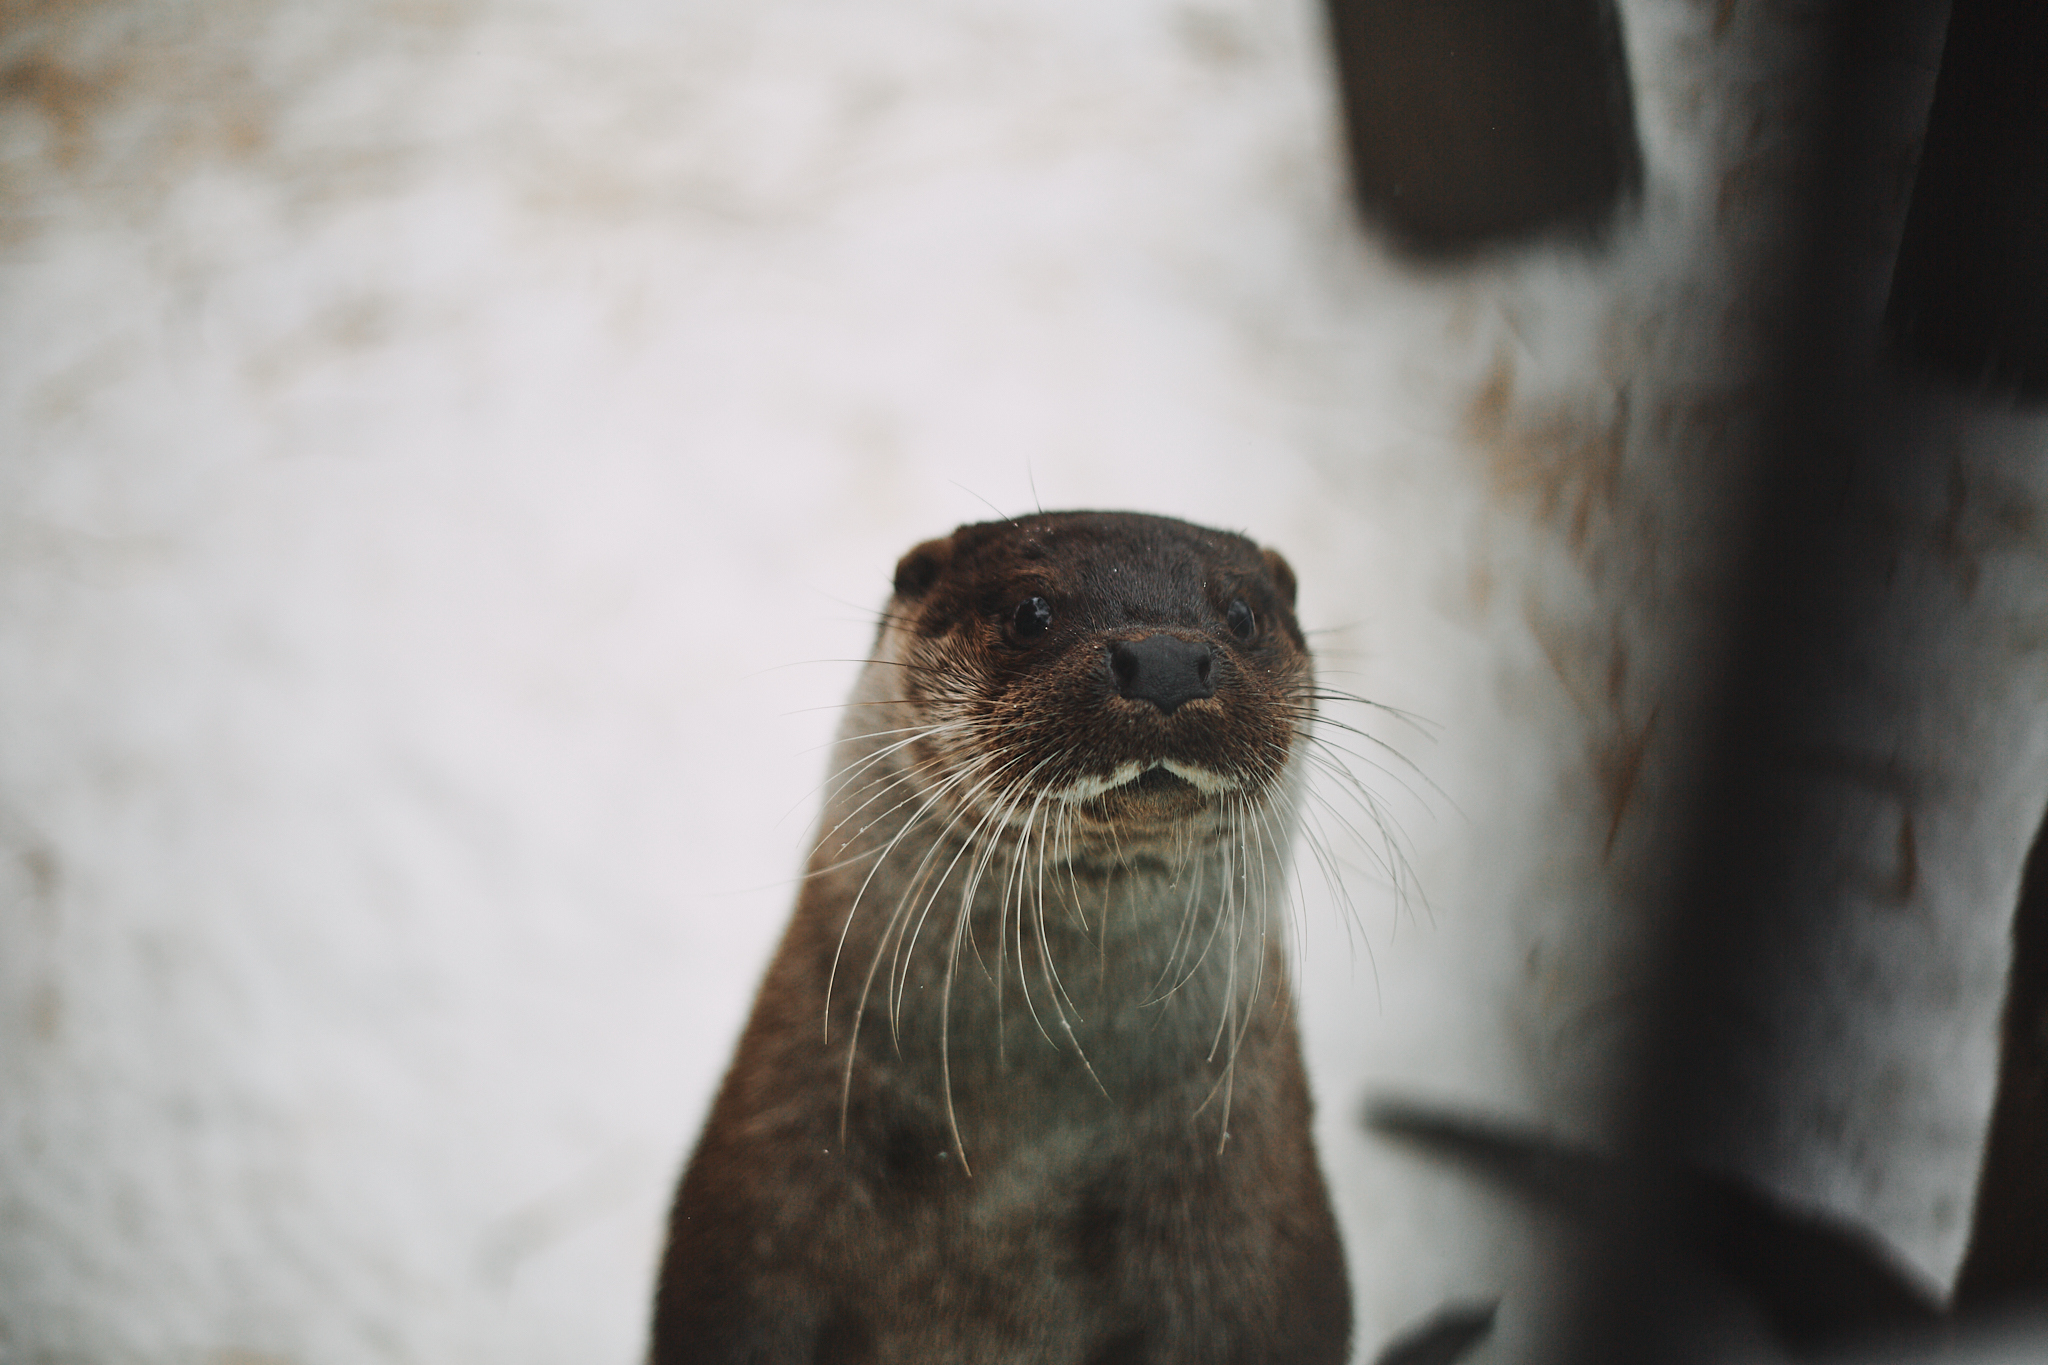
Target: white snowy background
[450,453]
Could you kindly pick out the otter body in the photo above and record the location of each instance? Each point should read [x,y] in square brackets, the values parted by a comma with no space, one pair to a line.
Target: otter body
[1022,1083]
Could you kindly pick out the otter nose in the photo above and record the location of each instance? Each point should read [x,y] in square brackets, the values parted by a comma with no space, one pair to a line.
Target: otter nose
[1163,670]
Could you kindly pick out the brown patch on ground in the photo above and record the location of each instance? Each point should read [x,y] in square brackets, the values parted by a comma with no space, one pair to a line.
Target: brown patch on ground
[114,104]
[1592,667]
[1565,459]
[1562,463]
[1617,766]
[127,97]
[65,99]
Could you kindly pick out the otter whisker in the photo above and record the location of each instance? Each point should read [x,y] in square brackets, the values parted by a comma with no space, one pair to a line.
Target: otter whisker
[1024,984]
[1196,873]
[1227,890]
[904,779]
[1390,851]
[893,927]
[1330,748]
[1414,720]
[960,922]
[931,799]
[1273,845]
[993,818]
[900,978]
[1235,1016]
[1323,855]
[886,781]
[1037,813]
[1055,987]
[1316,840]
[1234,915]
[990,831]
[1005,805]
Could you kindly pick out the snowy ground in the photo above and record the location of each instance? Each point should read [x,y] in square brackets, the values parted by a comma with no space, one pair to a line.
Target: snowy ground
[449,455]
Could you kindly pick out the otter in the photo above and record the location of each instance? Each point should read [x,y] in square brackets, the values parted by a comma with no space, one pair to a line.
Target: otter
[1022,1082]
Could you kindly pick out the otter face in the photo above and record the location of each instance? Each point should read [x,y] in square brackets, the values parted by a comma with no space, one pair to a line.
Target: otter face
[1131,682]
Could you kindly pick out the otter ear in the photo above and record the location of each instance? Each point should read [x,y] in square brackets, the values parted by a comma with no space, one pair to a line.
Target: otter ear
[918,570]
[1283,575]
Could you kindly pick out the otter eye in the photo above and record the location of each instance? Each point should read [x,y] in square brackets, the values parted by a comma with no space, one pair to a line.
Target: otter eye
[1242,623]
[1031,618]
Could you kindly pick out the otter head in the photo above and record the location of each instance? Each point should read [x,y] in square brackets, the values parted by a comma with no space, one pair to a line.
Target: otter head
[1129,685]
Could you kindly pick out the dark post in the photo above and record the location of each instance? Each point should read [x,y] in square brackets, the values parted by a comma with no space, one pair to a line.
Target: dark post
[1970,296]
[1475,122]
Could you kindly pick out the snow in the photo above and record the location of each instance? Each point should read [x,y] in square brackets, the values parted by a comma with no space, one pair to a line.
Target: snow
[450,454]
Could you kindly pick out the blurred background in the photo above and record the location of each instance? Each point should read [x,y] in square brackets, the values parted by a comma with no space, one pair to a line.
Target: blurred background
[451,453]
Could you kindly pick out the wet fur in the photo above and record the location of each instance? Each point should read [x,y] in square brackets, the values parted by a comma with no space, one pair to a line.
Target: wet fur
[1023,1083]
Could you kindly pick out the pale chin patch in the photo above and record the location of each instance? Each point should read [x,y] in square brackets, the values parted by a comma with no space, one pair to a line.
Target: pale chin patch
[1201,779]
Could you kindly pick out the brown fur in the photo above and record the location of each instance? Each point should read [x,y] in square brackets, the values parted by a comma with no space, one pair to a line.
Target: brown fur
[1022,1083]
